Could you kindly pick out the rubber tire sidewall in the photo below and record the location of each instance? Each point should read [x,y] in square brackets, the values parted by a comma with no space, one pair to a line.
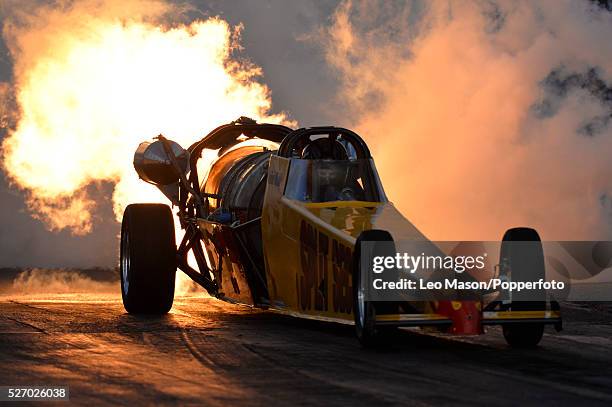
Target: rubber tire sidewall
[525,335]
[367,333]
[149,229]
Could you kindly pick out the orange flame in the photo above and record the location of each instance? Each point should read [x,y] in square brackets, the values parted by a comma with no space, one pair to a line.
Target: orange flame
[93,81]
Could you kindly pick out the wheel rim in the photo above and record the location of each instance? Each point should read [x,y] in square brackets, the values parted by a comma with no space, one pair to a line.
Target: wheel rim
[125,261]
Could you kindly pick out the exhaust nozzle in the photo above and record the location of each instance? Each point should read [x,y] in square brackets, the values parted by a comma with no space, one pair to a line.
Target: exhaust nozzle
[154,166]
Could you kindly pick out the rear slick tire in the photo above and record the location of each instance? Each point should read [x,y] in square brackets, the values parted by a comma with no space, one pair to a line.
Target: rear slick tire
[147,259]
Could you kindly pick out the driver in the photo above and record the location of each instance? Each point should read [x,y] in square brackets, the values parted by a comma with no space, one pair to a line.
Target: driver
[332,171]
[335,182]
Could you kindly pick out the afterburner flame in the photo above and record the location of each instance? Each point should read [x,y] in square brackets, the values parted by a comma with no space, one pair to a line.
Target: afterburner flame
[90,84]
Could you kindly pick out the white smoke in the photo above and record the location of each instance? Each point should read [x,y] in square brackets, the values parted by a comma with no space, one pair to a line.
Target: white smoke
[58,281]
[496,114]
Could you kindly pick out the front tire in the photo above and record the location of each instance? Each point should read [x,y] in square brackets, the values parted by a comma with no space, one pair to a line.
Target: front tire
[523,336]
[527,264]
[147,259]
[365,311]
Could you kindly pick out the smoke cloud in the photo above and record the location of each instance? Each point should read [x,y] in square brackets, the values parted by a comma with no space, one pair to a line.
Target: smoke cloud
[483,115]
[44,281]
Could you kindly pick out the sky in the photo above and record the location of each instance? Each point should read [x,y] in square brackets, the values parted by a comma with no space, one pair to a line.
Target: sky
[495,113]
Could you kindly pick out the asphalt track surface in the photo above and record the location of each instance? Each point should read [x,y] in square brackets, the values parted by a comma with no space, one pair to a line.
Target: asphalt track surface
[212,353]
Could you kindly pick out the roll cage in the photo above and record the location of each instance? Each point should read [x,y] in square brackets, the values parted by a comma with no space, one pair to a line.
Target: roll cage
[297,140]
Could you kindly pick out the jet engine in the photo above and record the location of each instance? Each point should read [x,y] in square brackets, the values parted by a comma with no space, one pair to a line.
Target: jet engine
[238,179]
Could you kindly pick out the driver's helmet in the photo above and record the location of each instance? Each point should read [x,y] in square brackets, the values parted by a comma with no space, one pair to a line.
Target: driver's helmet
[332,181]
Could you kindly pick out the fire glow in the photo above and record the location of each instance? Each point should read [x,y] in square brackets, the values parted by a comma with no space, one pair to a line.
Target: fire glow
[93,81]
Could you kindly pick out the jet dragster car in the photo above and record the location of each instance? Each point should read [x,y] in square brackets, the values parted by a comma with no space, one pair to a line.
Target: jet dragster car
[278,223]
